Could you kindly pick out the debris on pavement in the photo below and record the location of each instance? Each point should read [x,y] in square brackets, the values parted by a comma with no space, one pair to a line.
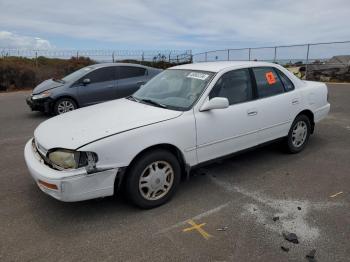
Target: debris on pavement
[336,194]
[222,228]
[311,256]
[291,237]
[299,208]
[275,218]
[285,249]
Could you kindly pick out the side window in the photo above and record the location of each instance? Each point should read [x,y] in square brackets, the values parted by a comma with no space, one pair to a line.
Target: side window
[288,84]
[267,81]
[235,85]
[131,71]
[101,75]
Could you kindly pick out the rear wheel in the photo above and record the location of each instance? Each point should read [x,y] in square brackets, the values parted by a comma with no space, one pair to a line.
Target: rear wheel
[299,134]
[153,179]
[64,105]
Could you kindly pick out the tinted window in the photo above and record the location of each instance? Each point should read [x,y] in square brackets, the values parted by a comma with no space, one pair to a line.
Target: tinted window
[235,86]
[288,85]
[101,75]
[130,71]
[267,81]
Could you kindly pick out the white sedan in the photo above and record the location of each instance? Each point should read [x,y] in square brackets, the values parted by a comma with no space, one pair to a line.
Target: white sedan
[184,117]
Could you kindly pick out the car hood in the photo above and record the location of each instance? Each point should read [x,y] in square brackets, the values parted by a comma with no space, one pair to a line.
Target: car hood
[46,85]
[77,128]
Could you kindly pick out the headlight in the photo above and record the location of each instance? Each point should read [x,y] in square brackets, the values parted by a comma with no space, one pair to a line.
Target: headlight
[41,95]
[69,159]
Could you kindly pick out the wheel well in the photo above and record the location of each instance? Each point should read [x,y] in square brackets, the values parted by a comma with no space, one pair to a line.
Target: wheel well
[171,148]
[310,115]
[66,96]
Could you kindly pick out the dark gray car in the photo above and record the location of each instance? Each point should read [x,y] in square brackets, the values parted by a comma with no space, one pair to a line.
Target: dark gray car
[89,85]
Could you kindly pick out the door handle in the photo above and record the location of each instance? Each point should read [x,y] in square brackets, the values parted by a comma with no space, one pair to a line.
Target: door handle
[110,86]
[141,82]
[295,101]
[252,112]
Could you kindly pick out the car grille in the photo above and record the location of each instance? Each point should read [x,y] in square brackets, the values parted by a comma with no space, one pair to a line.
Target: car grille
[41,151]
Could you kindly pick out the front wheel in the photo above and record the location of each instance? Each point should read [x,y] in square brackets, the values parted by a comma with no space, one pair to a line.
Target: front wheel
[64,105]
[153,179]
[299,134]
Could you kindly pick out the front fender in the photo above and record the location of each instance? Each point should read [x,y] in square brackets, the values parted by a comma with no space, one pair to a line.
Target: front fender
[120,149]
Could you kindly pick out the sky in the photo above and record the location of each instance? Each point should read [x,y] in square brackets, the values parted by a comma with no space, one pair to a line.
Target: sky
[197,25]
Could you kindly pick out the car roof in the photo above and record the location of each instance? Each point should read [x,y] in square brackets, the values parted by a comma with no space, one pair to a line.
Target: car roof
[221,65]
[95,66]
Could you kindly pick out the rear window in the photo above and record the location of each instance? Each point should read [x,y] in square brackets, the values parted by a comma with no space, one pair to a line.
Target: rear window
[131,71]
[267,81]
[287,83]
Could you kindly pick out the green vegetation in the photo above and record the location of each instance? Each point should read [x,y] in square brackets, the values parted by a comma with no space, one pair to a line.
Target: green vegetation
[25,73]
[17,73]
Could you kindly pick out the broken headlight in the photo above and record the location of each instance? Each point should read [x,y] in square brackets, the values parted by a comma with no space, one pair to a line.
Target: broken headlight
[41,95]
[69,159]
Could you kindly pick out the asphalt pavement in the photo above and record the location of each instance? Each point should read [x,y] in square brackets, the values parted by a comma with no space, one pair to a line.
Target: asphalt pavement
[233,210]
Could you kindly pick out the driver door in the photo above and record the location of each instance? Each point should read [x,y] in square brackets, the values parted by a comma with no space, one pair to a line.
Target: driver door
[221,132]
[102,86]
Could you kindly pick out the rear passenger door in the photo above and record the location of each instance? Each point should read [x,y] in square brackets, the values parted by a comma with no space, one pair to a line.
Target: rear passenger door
[277,103]
[130,78]
[102,86]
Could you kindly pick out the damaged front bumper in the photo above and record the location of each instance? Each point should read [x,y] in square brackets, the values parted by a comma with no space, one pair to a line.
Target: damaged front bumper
[68,185]
[42,104]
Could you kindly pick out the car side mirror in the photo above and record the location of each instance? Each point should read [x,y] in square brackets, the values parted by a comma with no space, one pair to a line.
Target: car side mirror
[86,81]
[215,103]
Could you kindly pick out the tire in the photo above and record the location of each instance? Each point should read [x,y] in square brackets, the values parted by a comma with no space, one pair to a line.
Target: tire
[64,105]
[298,134]
[153,179]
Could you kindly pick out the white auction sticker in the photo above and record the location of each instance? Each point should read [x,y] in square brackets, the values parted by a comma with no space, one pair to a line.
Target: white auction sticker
[197,75]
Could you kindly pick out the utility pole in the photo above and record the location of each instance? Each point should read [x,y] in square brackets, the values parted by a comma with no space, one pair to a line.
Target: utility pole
[307,60]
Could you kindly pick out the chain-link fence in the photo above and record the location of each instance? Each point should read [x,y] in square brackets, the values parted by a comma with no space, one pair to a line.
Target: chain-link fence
[317,61]
[24,68]
[171,56]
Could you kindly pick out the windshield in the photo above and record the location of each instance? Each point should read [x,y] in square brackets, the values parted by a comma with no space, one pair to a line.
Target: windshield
[77,74]
[174,89]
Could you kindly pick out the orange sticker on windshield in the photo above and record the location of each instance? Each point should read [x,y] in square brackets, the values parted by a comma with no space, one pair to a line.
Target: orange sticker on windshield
[270,78]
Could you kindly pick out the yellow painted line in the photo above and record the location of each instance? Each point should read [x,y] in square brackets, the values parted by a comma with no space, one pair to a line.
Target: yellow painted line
[336,194]
[197,227]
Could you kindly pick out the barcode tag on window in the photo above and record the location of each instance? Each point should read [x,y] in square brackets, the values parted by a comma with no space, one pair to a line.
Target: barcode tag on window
[196,75]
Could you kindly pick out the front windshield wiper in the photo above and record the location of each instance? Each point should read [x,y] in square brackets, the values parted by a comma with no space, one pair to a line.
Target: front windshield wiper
[131,97]
[148,101]
[152,102]
[58,80]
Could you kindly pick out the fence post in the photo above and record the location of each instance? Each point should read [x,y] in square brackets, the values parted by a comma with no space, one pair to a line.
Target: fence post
[249,51]
[113,57]
[275,55]
[36,59]
[228,54]
[77,55]
[206,56]
[307,60]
